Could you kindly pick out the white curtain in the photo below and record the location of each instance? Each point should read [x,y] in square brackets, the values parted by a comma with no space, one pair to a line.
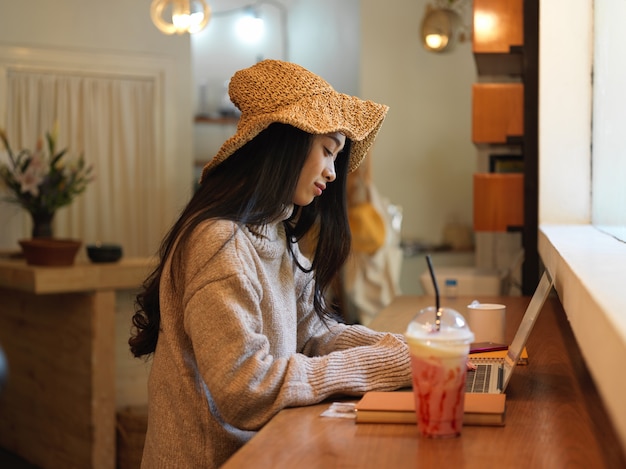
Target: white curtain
[111,119]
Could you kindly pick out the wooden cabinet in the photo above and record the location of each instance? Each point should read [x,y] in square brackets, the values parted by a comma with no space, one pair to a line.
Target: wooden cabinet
[58,330]
[505,122]
[497,113]
[498,36]
[498,26]
[498,202]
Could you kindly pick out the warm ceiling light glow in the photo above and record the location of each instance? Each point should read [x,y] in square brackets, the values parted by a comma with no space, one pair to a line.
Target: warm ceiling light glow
[180,16]
[250,27]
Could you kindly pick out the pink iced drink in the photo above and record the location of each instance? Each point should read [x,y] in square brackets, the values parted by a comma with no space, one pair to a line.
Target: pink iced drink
[439,365]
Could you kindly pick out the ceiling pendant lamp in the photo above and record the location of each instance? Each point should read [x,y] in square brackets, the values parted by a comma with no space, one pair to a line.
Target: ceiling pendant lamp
[180,16]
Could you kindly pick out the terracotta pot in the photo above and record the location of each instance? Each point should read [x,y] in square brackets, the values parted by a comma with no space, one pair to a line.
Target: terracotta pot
[50,251]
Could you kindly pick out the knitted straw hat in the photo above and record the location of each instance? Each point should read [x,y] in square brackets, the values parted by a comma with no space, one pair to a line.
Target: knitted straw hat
[274,91]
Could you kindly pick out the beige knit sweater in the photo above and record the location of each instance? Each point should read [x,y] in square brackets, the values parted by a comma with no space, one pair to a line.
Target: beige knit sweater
[240,341]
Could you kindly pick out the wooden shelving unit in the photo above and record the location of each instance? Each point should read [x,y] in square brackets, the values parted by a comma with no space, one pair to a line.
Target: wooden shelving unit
[497,113]
[498,39]
[505,108]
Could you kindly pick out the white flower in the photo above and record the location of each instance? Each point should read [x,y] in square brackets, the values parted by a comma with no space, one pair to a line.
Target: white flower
[33,176]
[43,180]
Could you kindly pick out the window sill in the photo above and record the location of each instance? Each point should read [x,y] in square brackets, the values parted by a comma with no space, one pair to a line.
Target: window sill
[589,268]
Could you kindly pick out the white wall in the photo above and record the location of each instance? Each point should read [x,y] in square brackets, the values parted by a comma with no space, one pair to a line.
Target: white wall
[424,158]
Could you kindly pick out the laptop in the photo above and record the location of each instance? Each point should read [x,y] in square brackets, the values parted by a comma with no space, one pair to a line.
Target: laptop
[492,375]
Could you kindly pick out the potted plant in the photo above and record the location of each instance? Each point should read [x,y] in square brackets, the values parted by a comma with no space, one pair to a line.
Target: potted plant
[42,181]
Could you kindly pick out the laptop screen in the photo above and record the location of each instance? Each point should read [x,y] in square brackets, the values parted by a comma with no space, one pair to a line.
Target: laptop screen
[528,321]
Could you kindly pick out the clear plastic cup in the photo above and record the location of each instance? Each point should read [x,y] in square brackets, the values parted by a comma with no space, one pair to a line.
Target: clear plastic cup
[439,367]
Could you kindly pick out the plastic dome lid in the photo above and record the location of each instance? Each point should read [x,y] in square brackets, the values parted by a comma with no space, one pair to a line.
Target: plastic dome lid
[453,326]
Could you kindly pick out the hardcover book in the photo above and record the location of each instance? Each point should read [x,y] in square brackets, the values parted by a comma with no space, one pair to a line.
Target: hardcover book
[399,407]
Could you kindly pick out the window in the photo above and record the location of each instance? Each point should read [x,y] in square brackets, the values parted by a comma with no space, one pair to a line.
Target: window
[589,265]
[609,119]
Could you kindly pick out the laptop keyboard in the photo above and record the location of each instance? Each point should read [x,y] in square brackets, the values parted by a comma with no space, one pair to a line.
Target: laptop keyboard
[477,380]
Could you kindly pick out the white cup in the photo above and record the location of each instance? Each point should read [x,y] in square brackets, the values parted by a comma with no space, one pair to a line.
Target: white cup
[487,321]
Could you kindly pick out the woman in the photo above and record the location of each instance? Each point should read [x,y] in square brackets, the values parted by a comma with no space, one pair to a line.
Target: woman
[234,314]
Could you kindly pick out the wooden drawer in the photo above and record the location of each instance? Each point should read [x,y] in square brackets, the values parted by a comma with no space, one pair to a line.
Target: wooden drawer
[497,112]
[498,201]
[498,25]
[498,36]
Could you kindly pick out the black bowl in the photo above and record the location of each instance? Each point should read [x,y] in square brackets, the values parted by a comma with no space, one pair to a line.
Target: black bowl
[104,252]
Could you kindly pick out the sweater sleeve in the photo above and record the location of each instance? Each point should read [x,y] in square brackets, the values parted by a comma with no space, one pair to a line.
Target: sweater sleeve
[322,337]
[246,377]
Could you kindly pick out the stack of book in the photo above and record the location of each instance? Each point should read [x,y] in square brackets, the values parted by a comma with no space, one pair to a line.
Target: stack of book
[399,407]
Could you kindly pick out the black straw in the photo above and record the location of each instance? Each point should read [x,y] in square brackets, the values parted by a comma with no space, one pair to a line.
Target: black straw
[432,276]
[437,300]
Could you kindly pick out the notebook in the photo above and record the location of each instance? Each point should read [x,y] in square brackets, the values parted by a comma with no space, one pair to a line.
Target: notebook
[492,374]
[399,407]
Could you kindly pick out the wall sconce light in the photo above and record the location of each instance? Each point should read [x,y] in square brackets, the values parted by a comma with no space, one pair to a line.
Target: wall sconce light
[250,27]
[438,29]
[185,16]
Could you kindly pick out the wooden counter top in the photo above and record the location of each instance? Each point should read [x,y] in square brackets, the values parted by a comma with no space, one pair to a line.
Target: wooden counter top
[58,332]
[83,276]
[554,418]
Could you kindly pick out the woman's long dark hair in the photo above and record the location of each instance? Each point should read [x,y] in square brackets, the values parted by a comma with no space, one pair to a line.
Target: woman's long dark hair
[252,187]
